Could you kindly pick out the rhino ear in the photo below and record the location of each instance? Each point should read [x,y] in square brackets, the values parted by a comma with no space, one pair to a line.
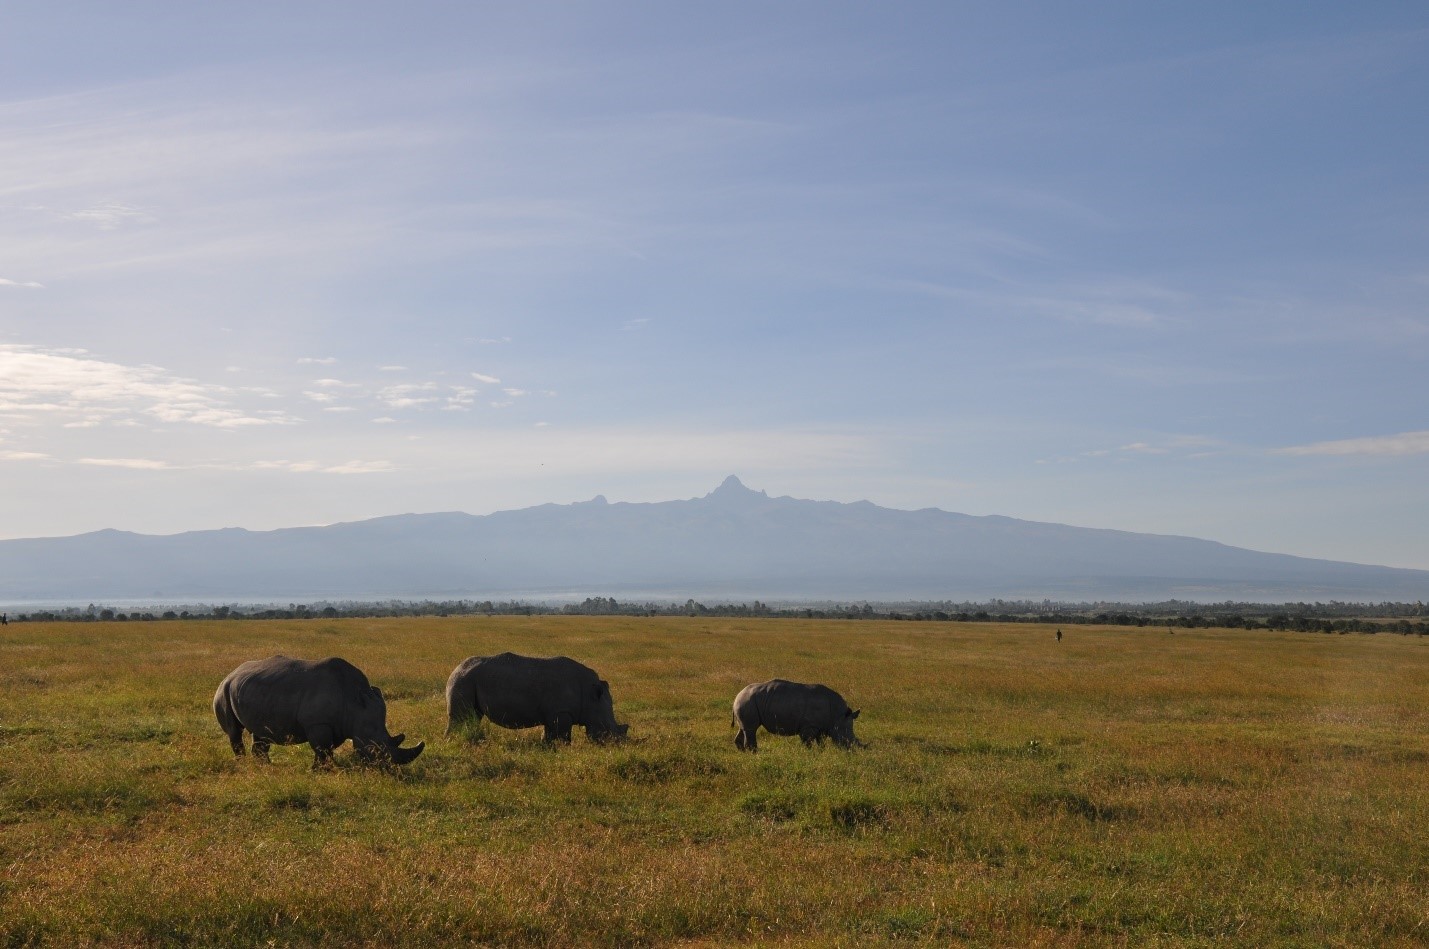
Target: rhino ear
[853,713]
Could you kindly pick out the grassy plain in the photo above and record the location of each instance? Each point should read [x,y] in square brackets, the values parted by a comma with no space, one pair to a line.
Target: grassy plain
[1126,786]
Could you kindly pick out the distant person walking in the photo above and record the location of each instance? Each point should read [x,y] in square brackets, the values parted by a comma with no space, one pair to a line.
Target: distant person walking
[4,619]
[1059,635]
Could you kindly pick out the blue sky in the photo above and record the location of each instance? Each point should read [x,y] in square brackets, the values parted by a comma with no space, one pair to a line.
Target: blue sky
[1145,266]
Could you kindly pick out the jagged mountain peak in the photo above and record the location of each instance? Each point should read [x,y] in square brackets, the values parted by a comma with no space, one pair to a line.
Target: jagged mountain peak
[732,489]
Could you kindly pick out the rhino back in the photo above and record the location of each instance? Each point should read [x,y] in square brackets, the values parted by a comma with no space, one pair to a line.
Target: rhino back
[787,708]
[281,698]
[522,691]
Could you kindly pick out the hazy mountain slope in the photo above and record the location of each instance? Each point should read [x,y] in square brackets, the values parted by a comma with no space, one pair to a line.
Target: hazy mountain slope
[732,542]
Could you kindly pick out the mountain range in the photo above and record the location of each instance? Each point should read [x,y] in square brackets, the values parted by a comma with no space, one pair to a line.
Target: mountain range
[734,543]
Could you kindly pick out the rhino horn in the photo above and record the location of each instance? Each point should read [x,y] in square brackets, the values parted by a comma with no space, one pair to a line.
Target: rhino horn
[406,755]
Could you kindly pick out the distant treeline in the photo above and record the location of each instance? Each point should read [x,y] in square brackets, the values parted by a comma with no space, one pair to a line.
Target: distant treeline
[1332,617]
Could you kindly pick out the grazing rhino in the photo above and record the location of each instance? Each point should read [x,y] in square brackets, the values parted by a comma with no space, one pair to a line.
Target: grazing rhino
[523,692]
[813,712]
[323,702]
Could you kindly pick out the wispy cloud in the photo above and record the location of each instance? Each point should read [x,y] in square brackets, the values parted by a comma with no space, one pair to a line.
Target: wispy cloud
[460,399]
[1168,444]
[1405,443]
[489,380]
[114,177]
[1118,303]
[360,467]
[317,467]
[146,464]
[39,383]
[1142,448]
[355,466]
[28,284]
[408,396]
[111,217]
[1182,446]
[317,360]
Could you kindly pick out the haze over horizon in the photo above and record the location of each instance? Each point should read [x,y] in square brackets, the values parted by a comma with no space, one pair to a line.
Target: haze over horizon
[1153,270]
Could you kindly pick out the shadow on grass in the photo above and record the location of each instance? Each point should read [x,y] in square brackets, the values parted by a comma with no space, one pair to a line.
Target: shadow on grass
[1073,804]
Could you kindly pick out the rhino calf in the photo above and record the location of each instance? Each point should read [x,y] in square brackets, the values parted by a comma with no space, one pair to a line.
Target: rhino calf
[323,702]
[813,712]
[523,692]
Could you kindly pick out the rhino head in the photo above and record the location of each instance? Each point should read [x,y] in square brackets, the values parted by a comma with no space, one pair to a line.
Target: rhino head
[600,722]
[370,736]
[842,732]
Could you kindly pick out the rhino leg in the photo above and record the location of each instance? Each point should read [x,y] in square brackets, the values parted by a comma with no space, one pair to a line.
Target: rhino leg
[235,739]
[745,739]
[323,741]
[229,722]
[559,728]
[260,748]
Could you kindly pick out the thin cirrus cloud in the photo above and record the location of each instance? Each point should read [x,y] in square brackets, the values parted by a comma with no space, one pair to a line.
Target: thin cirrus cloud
[142,464]
[27,284]
[1195,444]
[1182,446]
[355,466]
[110,217]
[1405,443]
[315,467]
[72,385]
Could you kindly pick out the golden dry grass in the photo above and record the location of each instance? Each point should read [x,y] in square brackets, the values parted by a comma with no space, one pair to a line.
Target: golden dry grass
[1124,787]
